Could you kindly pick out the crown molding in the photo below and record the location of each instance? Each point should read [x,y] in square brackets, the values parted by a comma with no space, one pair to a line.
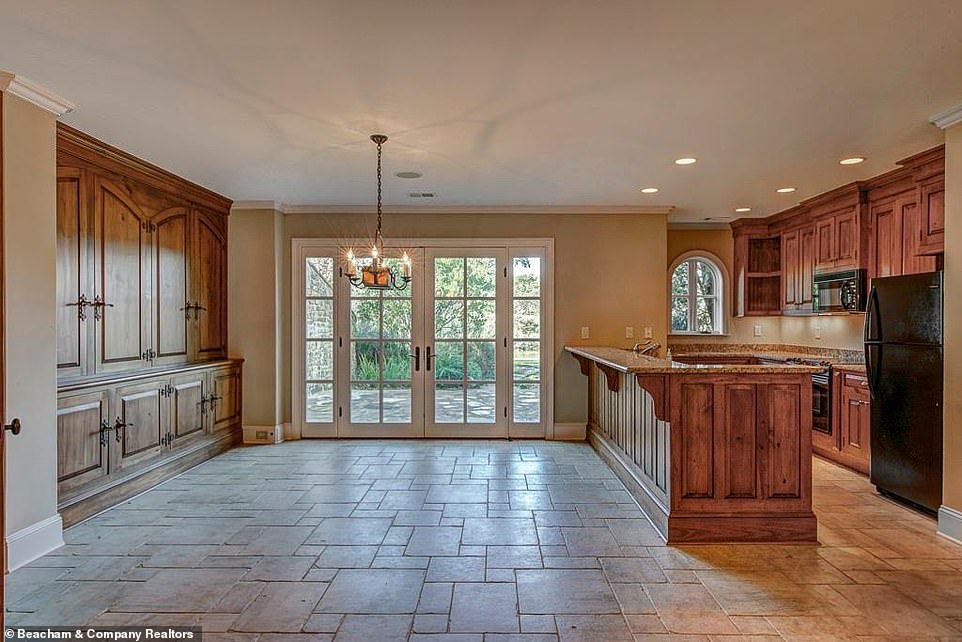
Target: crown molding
[286,208]
[699,225]
[947,118]
[35,94]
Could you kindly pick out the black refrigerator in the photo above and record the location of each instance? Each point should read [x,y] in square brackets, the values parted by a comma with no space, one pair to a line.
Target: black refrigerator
[903,359]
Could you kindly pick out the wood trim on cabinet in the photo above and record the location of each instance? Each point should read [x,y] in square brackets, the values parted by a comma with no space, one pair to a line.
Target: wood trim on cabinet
[93,151]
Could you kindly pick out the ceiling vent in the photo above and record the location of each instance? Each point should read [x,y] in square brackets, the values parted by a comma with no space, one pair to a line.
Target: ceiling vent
[422,194]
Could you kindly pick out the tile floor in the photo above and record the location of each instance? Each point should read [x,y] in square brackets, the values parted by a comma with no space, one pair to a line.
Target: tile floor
[470,541]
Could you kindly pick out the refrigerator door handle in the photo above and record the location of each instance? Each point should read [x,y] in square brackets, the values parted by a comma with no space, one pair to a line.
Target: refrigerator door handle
[870,366]
[871,330]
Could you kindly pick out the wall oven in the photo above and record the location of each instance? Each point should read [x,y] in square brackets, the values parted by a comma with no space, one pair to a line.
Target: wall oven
[822,401]
[838,292]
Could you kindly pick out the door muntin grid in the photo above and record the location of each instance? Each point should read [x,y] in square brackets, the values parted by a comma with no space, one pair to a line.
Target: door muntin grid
[527,390]
[319,287]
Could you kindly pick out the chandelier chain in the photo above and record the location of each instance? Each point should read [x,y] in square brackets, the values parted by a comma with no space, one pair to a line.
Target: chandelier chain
[379,240]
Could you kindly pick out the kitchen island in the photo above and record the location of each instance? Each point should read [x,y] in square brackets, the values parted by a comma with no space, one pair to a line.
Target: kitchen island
[711,452]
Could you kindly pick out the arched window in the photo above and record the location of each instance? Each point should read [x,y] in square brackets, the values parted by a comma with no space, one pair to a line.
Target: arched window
[697,290]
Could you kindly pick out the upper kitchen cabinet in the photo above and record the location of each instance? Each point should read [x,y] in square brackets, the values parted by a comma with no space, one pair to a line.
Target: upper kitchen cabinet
[141,263]
[758,269]
[840,243]
[798,269]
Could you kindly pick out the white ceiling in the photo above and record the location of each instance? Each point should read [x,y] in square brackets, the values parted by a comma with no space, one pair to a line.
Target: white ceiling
[502,102]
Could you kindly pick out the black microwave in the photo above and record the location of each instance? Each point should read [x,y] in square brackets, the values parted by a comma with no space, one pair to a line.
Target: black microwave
[835,292]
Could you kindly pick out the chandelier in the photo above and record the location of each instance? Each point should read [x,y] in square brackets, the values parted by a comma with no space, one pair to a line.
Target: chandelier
[376,274]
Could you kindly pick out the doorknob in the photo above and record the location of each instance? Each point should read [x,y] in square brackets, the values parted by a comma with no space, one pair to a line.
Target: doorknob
[14,426]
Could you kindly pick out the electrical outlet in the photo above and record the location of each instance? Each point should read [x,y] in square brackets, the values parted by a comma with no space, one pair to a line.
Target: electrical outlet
[758,330]
[818,332]
[648,333]
[584,332]
[629,332]
[261,435]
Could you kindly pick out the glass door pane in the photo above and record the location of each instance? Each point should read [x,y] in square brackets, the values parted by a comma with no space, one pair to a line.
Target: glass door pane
[318,408]
[527,339]
[465,326]
[383,396]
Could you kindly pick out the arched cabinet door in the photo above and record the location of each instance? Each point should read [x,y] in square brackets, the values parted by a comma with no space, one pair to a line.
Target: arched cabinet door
[209,287]
[170,253]
[121,313]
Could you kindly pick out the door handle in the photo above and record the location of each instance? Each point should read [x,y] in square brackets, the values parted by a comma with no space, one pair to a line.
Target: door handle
[14,426]
[427,358]
[417,358]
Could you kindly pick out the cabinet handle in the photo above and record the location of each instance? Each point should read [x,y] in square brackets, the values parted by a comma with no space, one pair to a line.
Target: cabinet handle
[104,428]
[186,310]
[14,426]
[81,305]
[119,428]
[98,304]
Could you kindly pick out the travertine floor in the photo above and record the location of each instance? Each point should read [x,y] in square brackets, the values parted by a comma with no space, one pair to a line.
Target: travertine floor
[498,540]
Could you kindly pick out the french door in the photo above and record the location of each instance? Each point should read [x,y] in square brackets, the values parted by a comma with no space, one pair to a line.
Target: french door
[456,354]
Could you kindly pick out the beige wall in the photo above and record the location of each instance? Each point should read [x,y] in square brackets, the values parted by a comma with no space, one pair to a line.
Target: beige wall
[952,455]
[603,265]
[841,331]
[253,311]
[30,260]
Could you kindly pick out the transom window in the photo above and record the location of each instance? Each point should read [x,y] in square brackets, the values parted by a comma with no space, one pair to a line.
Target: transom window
[696,297]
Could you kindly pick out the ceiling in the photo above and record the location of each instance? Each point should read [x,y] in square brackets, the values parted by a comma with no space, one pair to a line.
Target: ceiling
[503,102]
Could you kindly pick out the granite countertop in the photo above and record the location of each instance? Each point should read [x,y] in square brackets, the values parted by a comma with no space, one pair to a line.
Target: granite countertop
[836,358]
[624,360]
[857,368]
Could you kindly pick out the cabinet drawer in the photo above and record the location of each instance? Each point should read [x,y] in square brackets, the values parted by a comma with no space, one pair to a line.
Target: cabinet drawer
[855,381]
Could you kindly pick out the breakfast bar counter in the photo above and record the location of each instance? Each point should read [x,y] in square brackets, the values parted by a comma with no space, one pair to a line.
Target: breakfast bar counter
[711,452]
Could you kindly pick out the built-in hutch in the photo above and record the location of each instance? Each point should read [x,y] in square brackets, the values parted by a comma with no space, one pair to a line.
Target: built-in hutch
[145,388]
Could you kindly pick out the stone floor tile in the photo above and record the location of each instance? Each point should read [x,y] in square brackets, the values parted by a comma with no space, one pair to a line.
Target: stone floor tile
[373,591]
[499,532]
[434,541]
[689,608]
[366,628]
[456,569]
[538,624]
[280,569]
[458,494]
[571,591]
[425,623]
[435,597]
[514,557]
[592,628]
[590,542]
[484,608]
[633,599]
[346,557]
[281,607]
[323,622]
[350,531]
[632,569]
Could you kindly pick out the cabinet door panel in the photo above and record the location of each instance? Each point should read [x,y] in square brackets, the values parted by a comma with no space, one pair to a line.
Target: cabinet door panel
[73,272]
[225,409]
[932,202]
[846,240]
[210,288]
[144,410]
[122,267]
[825,253]
[170,259]
[790,266]
[81,458]
[187,416]
[886,241]
[806,271]
[912,261]
[784,465]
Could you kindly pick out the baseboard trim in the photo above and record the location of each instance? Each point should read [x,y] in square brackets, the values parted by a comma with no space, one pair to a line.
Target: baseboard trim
[570,431]
[268,434]
[34,541]
[950,524]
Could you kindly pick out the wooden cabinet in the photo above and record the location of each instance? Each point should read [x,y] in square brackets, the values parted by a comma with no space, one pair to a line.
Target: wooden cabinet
[757,264]
[837,241]
[74,272]
[142,264]
[850,441]
[82,447]
[141,416]
[798,270]
[932,216]
[895,237]
[170,253]
[115,435]
[122,279]
[210,288]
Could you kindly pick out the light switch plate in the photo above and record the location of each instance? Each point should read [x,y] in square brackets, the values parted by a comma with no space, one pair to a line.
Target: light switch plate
[584,332]
[758,330]
[647,333]
[818,332]
[629,332]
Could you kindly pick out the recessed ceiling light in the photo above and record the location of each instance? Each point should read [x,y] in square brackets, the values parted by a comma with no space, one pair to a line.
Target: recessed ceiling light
[785,190]
[408,174]
[649,190]
[743,209]
[854,160]
[686,161]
